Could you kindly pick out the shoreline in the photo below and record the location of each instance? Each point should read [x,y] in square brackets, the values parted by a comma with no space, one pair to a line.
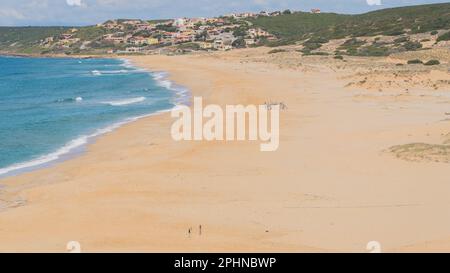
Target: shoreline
[79,145]
[329,187]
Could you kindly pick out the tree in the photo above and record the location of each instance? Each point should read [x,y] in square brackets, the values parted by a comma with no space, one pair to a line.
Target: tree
[240,32]
[287,12]
[239,43]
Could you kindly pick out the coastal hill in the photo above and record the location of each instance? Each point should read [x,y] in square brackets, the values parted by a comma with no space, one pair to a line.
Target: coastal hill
[378,33]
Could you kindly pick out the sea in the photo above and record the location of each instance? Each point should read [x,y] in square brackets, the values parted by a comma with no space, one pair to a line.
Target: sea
[51,108]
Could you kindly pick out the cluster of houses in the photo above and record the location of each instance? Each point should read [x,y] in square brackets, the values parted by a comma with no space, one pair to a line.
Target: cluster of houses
[65,40]
[139,36]
[200,33]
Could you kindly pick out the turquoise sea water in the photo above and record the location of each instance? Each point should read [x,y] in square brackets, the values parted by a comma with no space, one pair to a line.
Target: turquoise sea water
[50,108]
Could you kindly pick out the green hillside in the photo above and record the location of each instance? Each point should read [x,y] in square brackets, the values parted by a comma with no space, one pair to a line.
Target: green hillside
[26,39]
[312,30]
[395,21]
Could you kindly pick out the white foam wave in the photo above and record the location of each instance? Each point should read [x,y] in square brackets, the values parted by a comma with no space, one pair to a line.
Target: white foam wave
[96,73]
[127,63]
[46,158]
[110,72]
[71,146]
[181,94]
[125,101]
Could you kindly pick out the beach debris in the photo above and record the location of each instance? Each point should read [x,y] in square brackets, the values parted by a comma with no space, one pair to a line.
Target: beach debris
[200,230]
[270,104]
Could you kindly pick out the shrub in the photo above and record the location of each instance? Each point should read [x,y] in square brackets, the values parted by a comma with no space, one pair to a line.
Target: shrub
[415,61]
[318,53]
[444,37]
[278,50]
[394,32]
[277,43]
[313,46]
[239,43]
[411,46]
[374,51]
[432,62]
[189,46]
[401,40]
[339,57]
[318,40]
[434,32]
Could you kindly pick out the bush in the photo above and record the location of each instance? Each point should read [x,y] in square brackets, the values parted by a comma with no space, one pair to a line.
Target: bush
[434,32]
[189,46]
[239,43]
[374,51]
[274,51]
[317,40]
[339,57]
[401,40]
[415,61]
[411,46]
[311,46]
[277,43]
[316,53]
[444,37]
[432,62]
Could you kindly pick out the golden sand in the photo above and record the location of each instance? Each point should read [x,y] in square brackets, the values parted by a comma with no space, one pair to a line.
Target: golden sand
[331,186]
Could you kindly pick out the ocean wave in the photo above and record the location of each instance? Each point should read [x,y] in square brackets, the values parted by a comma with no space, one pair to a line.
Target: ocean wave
[182,94]
[110,72]
[46,158]
[127,63]
[125,101]
[69,100]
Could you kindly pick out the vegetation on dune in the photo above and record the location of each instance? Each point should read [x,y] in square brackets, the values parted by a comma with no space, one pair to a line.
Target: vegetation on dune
[274,51]
[299,25]
[189,46]
[444,37]
[395,21]
[415,61]
[422,152]
[432,62]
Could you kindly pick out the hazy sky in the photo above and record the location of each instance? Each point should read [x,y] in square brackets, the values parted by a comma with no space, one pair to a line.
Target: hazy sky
[85,12]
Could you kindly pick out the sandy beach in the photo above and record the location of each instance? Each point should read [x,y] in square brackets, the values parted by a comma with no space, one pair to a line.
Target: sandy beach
[343,175]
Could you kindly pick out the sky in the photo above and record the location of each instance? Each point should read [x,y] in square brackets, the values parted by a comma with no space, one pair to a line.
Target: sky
[88,12]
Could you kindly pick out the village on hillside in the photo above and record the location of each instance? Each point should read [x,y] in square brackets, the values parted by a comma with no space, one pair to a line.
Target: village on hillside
[166,36]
